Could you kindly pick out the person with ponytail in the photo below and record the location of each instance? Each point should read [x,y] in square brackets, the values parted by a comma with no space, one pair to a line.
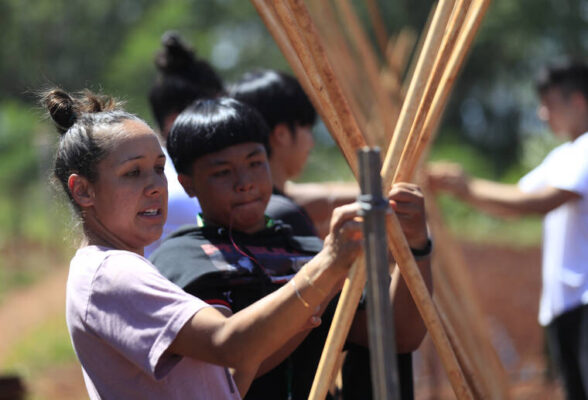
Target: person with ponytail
[136,334]
[181,79]
[234,254]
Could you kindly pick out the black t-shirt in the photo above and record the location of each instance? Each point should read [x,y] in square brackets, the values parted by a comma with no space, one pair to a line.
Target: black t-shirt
[236,269]
[283,208]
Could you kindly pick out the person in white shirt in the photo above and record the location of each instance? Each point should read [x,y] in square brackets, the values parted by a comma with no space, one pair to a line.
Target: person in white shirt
[558,190]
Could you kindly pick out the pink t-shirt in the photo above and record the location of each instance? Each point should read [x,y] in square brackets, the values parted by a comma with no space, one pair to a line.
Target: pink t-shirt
[122,315]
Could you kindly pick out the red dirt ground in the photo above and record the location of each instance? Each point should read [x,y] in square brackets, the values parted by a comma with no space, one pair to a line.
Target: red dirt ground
[507,281]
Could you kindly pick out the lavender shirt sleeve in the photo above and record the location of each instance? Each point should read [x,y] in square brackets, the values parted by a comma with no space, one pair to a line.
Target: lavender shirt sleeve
[138,311]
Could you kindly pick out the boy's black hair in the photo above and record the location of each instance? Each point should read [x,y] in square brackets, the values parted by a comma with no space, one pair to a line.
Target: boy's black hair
[277,96]
[182,78]
[211,125]
[568,75]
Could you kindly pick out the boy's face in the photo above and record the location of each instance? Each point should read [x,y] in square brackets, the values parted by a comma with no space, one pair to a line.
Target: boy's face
[303,142]
[291,149]
[233,186]
[563,112]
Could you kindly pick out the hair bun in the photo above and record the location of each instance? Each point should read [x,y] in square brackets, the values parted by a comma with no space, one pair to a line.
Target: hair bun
[177,56]
[65,109]
[62,109]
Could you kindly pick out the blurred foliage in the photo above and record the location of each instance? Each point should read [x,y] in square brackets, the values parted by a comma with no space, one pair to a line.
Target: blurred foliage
[109,46]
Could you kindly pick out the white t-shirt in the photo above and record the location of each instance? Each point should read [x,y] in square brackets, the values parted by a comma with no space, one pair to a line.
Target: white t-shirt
[565,229]
[122,316]
[181,208]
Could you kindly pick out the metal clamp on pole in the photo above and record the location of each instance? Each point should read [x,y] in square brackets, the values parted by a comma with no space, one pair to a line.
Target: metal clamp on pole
[380,317]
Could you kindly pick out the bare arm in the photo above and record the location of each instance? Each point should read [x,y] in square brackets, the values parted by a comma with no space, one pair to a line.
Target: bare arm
[408,202]
[495,198]
[244,340]
[320,199]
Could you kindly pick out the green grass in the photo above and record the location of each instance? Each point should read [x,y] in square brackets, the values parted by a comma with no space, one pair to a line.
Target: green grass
[47,346]
[467,223]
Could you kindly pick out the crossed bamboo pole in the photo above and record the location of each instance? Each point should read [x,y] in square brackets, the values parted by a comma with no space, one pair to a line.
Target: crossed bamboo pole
[312,68]
[298,26]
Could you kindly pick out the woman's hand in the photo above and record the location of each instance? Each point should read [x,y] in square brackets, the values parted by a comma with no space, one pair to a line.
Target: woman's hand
[343,242]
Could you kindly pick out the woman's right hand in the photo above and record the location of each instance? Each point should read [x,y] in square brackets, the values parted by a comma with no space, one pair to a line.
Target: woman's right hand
[343,243]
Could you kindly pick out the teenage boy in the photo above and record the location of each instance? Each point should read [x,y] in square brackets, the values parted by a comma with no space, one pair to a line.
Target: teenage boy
[289,114]
[235,255]
[557,189]
[307,207]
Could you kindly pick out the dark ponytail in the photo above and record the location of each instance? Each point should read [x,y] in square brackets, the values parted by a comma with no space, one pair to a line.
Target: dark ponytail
[182,78]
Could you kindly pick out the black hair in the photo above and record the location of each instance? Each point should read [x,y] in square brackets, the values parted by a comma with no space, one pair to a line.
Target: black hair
[182,78]
[277,96]
[211,125]
[81,121]
[567,75]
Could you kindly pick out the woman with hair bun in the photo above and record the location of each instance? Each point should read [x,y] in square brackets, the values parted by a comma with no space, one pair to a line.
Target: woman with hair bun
[136,334]
[181,79]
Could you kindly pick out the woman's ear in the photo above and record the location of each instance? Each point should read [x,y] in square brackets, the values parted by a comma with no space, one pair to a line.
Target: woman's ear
[81,190]
[187,184]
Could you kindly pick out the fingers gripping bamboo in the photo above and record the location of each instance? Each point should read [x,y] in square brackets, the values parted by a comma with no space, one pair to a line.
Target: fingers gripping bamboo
[349,299]
[416,89]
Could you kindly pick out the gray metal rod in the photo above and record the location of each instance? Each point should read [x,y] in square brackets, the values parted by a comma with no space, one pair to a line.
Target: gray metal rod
[381,335]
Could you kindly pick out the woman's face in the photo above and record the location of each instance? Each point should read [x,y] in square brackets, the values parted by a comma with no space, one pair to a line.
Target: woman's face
[129,198]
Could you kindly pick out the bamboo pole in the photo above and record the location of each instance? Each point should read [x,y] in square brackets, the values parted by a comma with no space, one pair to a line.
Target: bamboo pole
[415,283]
[321,103]
[410,272]
[469,370]
[349,299]
[447,47]
[343,62]
[383,102]
[403,256]
[299,26]
[398,52]
[416,89]
[454,271]
[378,24]
[471,27]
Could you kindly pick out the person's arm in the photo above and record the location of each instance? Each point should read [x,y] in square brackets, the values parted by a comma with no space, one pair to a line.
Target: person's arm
[408,203]
[495,198]
[320,199]
[244,340]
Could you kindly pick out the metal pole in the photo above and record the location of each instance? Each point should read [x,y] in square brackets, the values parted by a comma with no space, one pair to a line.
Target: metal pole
[380,317]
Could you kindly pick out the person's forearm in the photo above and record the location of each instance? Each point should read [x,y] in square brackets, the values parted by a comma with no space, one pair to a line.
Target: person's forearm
[409,326]
[319,200]
[503,199]
[248,337]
